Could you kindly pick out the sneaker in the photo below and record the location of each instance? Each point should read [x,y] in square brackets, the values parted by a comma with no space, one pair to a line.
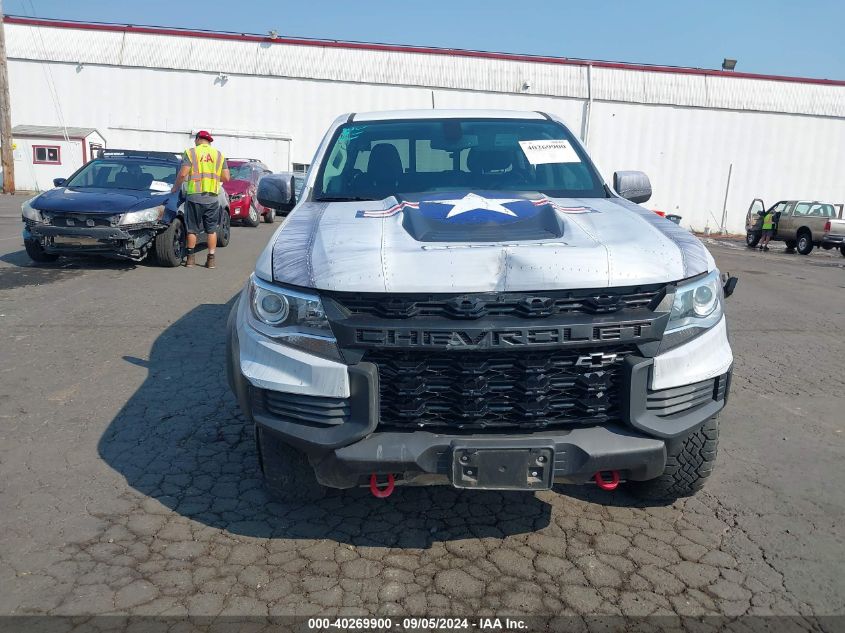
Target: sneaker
[209,262]
[191,260]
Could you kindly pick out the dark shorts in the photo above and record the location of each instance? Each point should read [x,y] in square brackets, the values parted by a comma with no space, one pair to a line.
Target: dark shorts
[202,217]
[768,233]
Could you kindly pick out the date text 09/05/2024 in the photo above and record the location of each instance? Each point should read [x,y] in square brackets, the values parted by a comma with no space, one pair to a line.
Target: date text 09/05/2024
[412,624]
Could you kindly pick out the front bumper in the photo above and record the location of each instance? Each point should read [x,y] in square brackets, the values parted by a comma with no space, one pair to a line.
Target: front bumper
[330,411]
[123,242]
[239,209]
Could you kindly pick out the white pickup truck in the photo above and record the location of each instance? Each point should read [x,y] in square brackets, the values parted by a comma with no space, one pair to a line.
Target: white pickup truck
[459,298]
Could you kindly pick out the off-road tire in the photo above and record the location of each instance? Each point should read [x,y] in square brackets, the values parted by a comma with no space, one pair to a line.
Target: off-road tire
[752,238]
[688,465]
[37,253]
[253,217]
[167,252]
[287,474]
[270,216]
[805,243]
[224,231]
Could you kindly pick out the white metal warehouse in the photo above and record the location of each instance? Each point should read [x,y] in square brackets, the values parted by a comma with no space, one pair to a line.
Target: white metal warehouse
[272,98]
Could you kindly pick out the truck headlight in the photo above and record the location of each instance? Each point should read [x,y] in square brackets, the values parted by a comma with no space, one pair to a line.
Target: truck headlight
[696,307]
[29,212]
[146,215]
[291,317]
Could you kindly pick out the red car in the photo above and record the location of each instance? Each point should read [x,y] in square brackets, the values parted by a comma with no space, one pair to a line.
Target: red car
[243,204]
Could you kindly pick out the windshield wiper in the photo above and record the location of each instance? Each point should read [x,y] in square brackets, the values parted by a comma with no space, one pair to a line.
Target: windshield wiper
[344,199]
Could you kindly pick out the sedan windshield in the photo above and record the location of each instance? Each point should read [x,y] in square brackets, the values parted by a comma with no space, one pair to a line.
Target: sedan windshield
[373,160]
[125,174]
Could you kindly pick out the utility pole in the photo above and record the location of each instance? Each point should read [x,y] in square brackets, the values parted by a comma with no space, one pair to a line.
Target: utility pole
[6,159]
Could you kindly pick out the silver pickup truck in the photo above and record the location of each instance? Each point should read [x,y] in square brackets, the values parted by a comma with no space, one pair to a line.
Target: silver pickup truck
[801,224]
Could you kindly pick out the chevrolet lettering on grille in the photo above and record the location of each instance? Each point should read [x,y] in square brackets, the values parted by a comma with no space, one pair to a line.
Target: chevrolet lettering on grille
[511,337]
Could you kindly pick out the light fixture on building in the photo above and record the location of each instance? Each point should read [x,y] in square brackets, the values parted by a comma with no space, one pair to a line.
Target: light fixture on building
[273,34]
[728,64]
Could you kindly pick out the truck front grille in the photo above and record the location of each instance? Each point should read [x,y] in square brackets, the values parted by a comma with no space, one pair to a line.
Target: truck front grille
[513,304]
[517,390]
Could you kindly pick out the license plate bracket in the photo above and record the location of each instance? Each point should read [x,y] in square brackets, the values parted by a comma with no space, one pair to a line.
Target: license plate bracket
[502,468]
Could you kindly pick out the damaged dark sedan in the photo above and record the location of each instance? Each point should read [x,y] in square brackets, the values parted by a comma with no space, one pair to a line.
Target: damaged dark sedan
[119,206]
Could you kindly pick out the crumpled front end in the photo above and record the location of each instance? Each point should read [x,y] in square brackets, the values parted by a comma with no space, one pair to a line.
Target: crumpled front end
[89,234]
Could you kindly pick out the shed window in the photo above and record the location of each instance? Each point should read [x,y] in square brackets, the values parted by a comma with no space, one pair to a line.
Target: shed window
[47,154]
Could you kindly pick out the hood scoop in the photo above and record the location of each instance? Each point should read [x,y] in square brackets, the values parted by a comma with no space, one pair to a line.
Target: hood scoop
[480,217]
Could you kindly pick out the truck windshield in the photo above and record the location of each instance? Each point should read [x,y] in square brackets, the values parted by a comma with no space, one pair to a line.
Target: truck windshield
[125,174]
[374,160]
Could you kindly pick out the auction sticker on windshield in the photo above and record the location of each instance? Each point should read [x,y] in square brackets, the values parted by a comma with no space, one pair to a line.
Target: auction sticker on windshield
[544,152]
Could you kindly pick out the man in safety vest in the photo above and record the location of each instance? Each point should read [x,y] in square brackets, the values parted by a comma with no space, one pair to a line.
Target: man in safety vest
[768,230]
[205,168]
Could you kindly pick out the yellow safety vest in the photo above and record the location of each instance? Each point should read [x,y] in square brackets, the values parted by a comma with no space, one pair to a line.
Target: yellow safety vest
[768,221]
[206,169]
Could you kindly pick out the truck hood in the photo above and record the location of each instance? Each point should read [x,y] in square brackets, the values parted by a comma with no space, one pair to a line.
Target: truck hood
[97,200]
[481,242]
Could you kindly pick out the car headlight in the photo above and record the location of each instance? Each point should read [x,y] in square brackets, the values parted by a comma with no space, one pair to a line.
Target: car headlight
[29,212]
[291,317]
[696,307]
[146,215]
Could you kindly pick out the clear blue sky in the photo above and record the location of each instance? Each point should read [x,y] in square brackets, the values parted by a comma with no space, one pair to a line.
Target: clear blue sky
[767,36]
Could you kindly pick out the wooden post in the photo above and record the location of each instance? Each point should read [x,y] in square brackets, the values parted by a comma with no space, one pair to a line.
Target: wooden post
[6,158]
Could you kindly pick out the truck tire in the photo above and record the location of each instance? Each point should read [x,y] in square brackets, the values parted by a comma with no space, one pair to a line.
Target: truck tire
[688,465]
[253,216]
[752,238]
[790,246]
[170,244]
[224,231]
[805,243]
[270,216]
[287,474]
[37,253]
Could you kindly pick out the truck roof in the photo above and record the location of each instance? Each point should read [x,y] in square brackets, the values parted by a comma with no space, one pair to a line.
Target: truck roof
[393,115]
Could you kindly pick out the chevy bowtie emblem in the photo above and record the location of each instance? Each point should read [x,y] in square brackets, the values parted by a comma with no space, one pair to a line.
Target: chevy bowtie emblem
[596,360]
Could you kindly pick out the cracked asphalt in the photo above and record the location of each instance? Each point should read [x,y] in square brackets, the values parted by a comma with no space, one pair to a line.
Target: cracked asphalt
[129,482]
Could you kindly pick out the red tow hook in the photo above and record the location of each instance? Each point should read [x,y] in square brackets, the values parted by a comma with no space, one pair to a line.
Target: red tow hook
[382,493]
[607,485]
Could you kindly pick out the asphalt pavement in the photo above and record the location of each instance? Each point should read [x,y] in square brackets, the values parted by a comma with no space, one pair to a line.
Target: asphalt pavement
[129,482]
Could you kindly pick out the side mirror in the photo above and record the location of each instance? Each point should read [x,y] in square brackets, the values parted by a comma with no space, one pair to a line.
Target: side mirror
[59,182]
[277,191]
[729,284]
[632,185]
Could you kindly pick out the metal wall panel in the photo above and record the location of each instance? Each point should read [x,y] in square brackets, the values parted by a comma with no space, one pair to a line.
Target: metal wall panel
[312,61]
[785,140]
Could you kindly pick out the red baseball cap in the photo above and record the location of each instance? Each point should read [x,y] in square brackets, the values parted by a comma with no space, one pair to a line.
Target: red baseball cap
[206,135]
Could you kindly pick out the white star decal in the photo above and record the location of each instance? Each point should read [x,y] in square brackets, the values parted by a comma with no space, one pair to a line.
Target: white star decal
[474,202]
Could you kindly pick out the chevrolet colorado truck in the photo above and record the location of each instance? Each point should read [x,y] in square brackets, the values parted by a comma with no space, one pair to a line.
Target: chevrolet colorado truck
[459,298]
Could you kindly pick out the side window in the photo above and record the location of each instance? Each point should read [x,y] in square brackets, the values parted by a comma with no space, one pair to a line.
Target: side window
[429,159]
[779,207]
[790,206]
[801,208]
[828,211]
[334,167]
